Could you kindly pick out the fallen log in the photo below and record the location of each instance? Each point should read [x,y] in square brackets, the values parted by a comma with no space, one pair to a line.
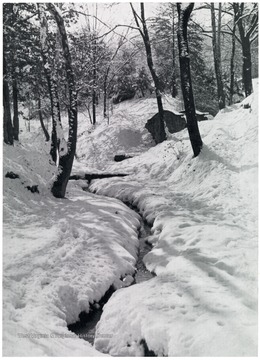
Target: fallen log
[90,177]
[122,157]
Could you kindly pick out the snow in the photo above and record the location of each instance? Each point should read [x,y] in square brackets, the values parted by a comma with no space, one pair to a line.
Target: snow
[61,255]
[204,216]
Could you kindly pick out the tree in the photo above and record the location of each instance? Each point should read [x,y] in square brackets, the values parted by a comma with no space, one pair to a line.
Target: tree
[184,12]
[52,84]
[16,27]
[8,127]
[45,131]
[164,42]
[89,55]
[145,36]
[246,19]
[66,155]
[232,67]
[106,77]
[123,83]
[217,54]
[11,27]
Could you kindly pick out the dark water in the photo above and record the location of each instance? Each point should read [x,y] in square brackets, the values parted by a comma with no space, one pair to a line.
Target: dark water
[142,274]
[86,327]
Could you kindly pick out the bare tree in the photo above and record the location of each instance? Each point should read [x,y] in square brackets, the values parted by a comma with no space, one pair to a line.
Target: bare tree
[216,43]
[45,131]
[52,85]
[184,12]
[174,86]
[67,155]
[247,22]
[8,127]
[145,36]
[232,67]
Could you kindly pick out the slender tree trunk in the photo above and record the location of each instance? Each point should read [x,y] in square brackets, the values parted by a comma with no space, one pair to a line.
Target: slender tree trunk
[174,86]
[94,95]
[232,67]
[247,66]
[217,58]
[66,159]
[186,84]
[94,78]
[47,136]
[15,99]
[8,128]
[154,75]
[105,97]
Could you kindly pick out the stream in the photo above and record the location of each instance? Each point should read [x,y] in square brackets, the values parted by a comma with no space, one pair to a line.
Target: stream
[86,327]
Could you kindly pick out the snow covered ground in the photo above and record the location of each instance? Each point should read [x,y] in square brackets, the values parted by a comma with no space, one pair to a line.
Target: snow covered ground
[61,255]
[203,301]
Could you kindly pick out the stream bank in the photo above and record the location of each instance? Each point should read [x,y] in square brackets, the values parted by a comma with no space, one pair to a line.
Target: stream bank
[85,328]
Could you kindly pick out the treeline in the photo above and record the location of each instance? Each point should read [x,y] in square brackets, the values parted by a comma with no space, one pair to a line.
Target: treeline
[55,65]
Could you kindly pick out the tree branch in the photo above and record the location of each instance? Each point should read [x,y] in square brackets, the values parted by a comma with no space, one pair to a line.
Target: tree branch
[254,23]
[136,20]
[254,37]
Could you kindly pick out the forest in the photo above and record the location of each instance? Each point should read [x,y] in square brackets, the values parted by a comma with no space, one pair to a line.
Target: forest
[130,157]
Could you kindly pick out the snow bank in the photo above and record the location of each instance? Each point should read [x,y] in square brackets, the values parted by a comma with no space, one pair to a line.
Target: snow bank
[62,255]
[58,255]
[125,134]
[203,301]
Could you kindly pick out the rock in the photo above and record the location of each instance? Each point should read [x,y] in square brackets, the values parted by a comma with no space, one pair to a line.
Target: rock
[33,188]
[174,121]
[11,175]
[119,158]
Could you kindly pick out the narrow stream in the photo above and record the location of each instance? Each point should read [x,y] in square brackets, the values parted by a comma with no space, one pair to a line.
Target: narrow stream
[86,327]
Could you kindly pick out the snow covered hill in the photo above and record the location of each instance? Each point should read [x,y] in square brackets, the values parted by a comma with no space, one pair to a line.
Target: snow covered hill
[203,301]
[62,255]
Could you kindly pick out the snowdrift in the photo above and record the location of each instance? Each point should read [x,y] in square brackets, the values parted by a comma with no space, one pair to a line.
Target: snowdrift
[203,301]
[59,256]
[62,255]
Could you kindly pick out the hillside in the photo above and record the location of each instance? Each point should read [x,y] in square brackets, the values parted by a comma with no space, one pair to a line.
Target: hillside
[60,256]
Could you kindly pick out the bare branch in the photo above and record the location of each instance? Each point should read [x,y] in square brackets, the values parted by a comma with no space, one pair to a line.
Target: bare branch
[253,25]
[254,37]
[136,20]
[231,33]
[116,26]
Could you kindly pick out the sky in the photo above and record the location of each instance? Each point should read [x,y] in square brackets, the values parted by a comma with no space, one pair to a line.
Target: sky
[114,13]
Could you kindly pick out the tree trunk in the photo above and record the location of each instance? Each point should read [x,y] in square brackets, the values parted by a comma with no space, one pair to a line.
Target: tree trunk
[8,128]
[245,34]
[66,159]
[186,84]
[105,97]
[47,136]
[15,100]
[247,66]
[94,95]
[232,67]
[154,75]
[217,58]
[174,87]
